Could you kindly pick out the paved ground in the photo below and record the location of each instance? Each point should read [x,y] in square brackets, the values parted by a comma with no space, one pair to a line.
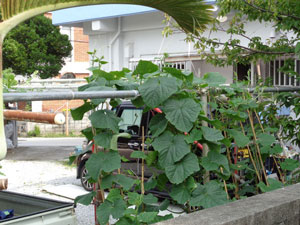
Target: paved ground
[40,162]
[44,149]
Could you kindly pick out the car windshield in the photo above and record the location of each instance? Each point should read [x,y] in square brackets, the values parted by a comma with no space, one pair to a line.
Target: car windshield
[131,120]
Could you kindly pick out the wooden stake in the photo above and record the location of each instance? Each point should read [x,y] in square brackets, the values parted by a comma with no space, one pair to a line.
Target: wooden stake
[250,155]
[276,164]
[257,147]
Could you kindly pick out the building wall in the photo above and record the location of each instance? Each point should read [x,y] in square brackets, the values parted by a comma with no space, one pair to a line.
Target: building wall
[141,38]
[60,105]
[81,46]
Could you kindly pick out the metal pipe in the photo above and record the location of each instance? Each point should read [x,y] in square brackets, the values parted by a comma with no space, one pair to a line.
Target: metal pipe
[58,81]
[111,43]
[70,95]
[51,118]
[64,86]
[276,89]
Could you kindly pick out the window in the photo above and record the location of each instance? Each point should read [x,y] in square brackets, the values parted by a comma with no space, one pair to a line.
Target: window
[181,65]
[279,78]
[131,120]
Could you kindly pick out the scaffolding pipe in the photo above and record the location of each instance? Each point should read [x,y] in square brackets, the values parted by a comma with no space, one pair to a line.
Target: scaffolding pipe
[50,118]
[59,81]
[69,95]
[275,89]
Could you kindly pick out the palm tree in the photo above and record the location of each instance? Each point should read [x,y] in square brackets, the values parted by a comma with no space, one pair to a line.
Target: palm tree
[191,15]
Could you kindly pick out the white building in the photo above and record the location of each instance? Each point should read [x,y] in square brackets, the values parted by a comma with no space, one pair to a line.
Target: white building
[124,34]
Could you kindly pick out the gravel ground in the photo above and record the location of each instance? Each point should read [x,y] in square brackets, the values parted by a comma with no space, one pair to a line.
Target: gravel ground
[30,177]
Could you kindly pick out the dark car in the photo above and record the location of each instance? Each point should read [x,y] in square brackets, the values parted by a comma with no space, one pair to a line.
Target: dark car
[133,121]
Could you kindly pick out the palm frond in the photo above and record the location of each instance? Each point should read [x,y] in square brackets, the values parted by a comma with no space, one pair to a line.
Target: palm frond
[191,15]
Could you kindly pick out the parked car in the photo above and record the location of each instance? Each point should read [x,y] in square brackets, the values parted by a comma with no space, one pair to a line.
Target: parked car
[133,120]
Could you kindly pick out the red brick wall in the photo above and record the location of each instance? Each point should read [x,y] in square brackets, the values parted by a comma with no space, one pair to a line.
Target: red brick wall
[81,45]
[81,75]
[60,106]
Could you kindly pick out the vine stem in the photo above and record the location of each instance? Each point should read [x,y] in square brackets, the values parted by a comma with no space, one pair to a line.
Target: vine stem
[206,177]
[143,162]
[225,185]
[250,155]
[257,146]
[229,161]
[99,193]
[143,165]
[276,164]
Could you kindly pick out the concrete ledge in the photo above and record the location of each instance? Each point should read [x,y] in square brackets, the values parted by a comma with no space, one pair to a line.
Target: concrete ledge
[279,207]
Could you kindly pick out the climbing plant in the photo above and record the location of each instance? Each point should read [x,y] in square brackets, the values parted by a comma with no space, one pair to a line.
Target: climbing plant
[198,152]
[192,16]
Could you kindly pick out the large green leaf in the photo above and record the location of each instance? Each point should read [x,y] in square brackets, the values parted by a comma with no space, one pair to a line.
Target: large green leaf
[189,76]
[195,135]
[105,119]
[179,171]
[240,139]
[273,185]
[78,113]
[171,148]
[108,76]
[146,217]
[145,67]
[266,139]
[103,161]
[182,192]
[150,199]
[158,124]
[156,90]
[138,155]
[289,164]
[182,113]
[88,133]
[116,209]
[122,180]
[208,195]
[211,134]
[214,161]
[85,199]
[98,82]
[103,139]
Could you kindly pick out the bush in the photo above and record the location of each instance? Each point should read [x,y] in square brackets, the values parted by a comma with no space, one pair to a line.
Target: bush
[35,132]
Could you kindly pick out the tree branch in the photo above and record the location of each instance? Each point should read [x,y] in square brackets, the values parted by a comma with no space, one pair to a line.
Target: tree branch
[268,11]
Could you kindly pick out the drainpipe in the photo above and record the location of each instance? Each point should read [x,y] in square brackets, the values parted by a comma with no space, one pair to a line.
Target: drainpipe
[112,42]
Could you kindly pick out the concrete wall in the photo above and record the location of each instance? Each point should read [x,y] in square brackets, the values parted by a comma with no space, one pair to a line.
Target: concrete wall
[280,207]
[74,127]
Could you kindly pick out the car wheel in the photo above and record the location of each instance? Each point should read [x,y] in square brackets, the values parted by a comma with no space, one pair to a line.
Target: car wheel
[84,180]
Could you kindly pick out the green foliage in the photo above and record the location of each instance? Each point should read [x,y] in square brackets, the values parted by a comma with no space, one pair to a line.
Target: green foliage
[182,113]
[103,161]
[208,195]
[36,45]
[241,45]
[155,91]
[8,79]
[36,132]
[176,147]
[273,185]
[171,148]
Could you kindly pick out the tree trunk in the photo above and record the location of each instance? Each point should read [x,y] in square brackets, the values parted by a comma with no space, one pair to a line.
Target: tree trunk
[2,133]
